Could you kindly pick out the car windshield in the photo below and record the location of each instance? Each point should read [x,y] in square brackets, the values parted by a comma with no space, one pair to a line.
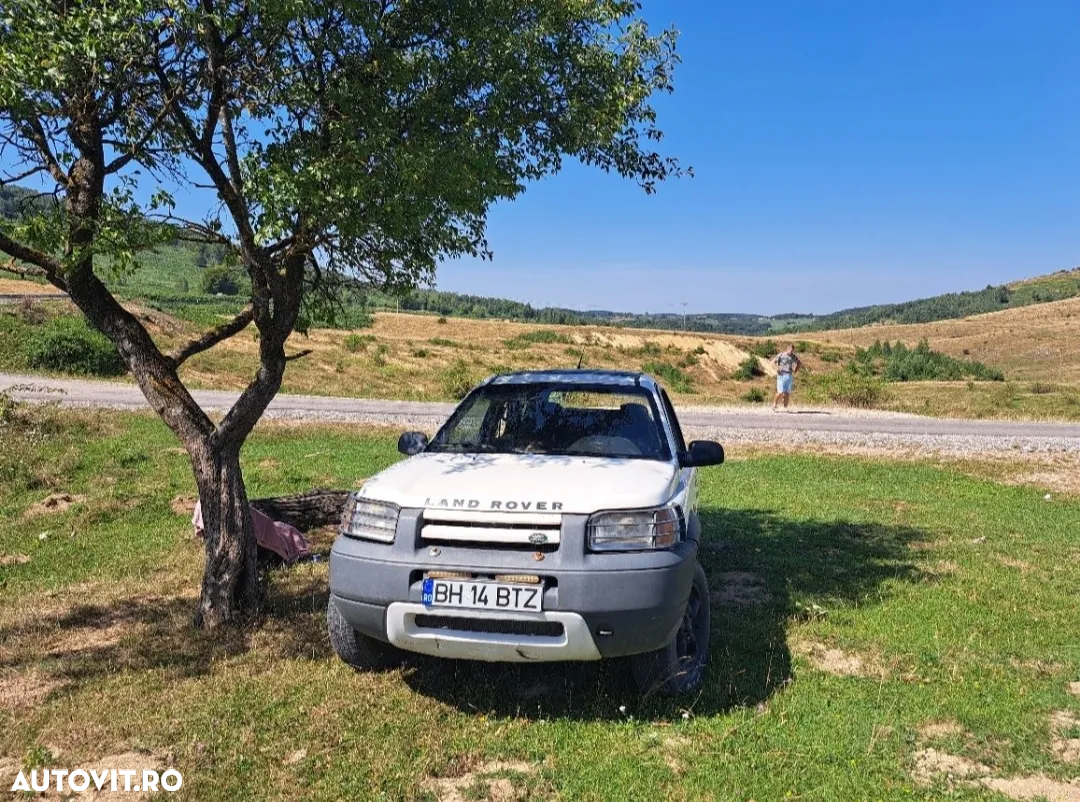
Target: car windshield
[571,420]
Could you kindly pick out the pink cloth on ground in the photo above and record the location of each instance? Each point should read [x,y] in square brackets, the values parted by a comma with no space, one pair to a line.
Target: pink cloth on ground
[284,540]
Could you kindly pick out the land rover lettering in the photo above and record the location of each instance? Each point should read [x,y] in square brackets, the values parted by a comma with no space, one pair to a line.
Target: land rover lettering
[511,505]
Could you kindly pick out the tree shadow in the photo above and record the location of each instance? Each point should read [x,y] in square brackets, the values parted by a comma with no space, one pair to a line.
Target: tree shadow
[150,632]
[764,571]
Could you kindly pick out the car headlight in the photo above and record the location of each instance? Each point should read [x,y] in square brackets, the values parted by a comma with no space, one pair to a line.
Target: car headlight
[635,530]
[370,520]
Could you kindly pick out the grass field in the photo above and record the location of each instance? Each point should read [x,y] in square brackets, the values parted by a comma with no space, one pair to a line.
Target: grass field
[881,631]
[417,357]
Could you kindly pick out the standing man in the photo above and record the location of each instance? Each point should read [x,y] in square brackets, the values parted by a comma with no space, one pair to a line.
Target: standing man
[787,365]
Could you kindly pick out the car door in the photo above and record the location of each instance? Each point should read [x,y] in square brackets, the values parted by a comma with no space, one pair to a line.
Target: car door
[689,475]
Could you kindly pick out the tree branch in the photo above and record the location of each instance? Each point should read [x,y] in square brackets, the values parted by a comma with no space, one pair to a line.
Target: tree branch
[299,355]
[36,134]
[22,272]
[231,156]
[51,265]
[12,179]
[211,338]
[120,162]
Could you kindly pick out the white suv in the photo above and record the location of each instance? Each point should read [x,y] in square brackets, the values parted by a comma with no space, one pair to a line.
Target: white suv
[552,517]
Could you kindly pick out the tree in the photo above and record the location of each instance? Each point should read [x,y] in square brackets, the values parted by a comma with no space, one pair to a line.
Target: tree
[343,139]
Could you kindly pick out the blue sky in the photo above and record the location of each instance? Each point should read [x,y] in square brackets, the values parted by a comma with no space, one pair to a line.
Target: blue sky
[845,153]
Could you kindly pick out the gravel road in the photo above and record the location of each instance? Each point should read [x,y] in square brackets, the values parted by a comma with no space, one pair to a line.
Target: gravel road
[875,430]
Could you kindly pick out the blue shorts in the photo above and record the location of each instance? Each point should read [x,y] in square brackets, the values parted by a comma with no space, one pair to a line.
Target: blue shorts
[784,381]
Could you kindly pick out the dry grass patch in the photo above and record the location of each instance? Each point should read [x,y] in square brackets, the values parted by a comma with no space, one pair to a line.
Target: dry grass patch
[183,505]
[840,663]
[1036,787]
[738,589]
[52,504]
[1020,565]
[935,730]
[673,749]
[14,286]
[1065,736]
[494,781]
[932,765]
[1044,668]
[25,690]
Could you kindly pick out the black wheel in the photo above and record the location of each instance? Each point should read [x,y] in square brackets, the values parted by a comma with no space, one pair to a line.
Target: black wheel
[679,667]
[359,651]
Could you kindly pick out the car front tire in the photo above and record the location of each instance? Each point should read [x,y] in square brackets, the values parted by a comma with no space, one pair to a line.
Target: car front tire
[679,666]
[358,650]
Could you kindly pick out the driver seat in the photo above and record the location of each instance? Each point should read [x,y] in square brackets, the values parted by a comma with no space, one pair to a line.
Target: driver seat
[637,425]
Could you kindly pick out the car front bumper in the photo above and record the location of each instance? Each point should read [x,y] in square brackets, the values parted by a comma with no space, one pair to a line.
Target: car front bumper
[595,605]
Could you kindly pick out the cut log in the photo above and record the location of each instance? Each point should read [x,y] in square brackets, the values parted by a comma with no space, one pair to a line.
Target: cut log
[305,511]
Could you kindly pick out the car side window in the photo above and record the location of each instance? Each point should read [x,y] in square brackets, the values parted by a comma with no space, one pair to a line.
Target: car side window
[676,430]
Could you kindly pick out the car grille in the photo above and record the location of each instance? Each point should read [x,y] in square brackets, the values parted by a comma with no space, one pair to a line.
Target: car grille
[528,533]
[494,626]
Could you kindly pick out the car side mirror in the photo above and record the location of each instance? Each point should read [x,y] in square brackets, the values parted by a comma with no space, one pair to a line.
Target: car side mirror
[412,443]
[702,453]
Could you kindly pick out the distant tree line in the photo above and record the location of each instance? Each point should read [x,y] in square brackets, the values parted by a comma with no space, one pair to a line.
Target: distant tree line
[1056,287]
[17,202]
[452,304]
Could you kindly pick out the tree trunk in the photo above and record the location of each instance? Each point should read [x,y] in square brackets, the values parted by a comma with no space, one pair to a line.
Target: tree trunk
[231,583]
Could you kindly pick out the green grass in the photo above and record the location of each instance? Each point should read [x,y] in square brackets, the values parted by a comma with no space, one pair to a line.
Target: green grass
[961,589]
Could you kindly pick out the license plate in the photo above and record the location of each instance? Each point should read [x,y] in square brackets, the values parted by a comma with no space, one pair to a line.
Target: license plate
[482,595]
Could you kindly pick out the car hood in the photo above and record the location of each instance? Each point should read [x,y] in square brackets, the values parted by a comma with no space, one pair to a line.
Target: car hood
[524,483]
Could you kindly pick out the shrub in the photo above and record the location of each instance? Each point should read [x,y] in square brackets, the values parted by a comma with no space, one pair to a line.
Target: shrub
[68,344]
[443,341]
[755,395]
[689,360]
[700,350]
[441,321]
[898,363]
[1041,388]
[830,356]
[848,388]
[749,369]
[765,349]
[544,336]
[378,359]
[675,379]
[8,409]
[457,379]
[358,342]
[421,353]
[219,280]
[30,313]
